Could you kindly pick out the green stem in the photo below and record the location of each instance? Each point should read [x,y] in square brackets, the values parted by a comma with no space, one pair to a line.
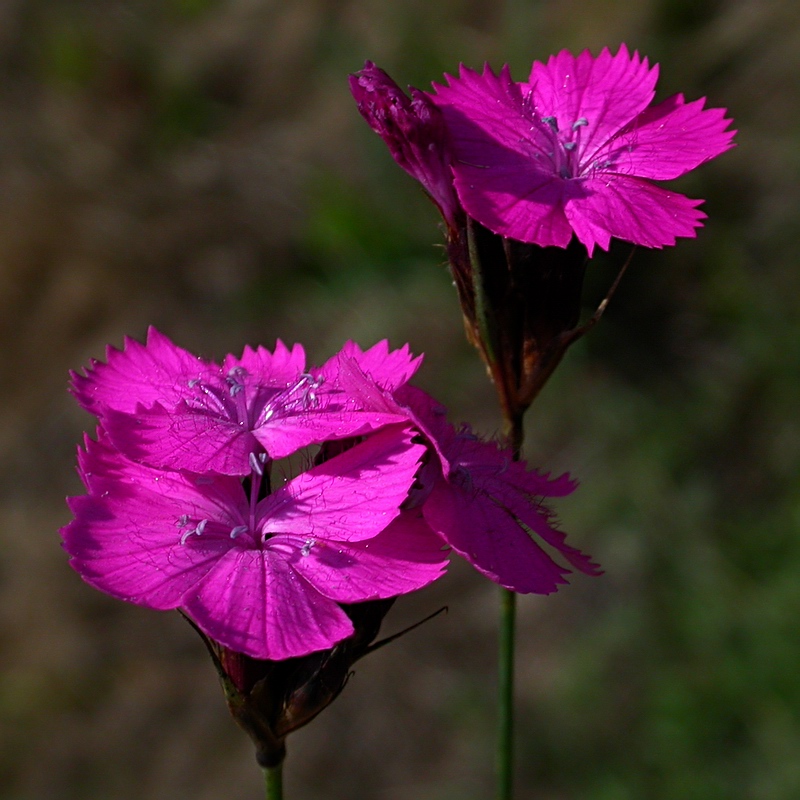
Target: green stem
[515,433]
[505,696]
[274,782]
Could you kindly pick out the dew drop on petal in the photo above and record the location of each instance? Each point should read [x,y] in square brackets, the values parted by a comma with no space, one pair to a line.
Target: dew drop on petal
[305,550]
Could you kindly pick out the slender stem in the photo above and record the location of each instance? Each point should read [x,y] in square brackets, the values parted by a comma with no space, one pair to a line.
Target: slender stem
[274,782]
[515,434]
[505,696]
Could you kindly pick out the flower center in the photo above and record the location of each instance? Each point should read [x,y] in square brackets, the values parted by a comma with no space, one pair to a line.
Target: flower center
[249,404]
[257,485]
[564,146]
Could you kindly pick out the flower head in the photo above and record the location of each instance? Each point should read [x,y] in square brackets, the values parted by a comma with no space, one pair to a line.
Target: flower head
[575,148]
[490,508]
[165,407]
[260,575]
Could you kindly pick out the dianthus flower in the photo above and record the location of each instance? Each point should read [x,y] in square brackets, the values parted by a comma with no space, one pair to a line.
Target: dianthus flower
[571,150]
[490,508]
[181,511]
[168,408]
[575,148]
[262,577]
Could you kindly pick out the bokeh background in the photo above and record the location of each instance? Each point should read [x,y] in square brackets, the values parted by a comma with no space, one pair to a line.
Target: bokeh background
[199,165]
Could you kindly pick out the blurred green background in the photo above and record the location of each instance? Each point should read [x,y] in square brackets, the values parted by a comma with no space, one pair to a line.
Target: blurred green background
[199,165]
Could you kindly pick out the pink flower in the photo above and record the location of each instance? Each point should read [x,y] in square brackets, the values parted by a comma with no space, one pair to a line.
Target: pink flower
[489,508]
[167,408]
[260,575]
[413,130]
[575,148]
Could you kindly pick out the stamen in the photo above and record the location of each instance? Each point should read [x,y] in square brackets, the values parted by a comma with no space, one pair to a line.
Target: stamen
[580,123]
[182,521]
[569,146]
[197,530]
[233,379]
[552,122]
[256,464]
[238,530]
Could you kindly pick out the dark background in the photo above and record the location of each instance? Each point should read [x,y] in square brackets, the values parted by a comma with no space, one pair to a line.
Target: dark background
[199,165]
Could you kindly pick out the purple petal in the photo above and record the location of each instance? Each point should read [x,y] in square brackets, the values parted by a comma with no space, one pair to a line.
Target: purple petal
[631,209]
[526,507]
[413,130]
[603,94]
[406,556]
[287,434]
[277,369]
[350,497]
[390,369]
[667,140]
[183,439]
[254,603]
[139,374]
[513,198]
[128,539]
[492,541]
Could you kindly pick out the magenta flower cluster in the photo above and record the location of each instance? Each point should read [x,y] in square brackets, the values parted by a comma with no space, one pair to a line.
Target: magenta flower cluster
[191,502]
[573,150]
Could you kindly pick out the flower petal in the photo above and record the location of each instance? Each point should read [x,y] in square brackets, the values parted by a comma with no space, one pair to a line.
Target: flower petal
[183,439]
[158,371]
[631,209]
[406,556]
[390,369]
[492,541]
[504,174]
[517,201]
[127,537]
[523,506]
[277,369]
[352,496]
[606,92]
[668,139]
[254,603]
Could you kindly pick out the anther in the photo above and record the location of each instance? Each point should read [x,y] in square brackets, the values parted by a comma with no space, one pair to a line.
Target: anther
[580,123]
[197,530]
[256,464]
[239,529]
